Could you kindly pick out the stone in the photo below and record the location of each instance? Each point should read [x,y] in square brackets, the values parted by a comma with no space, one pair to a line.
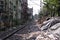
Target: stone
[50,24]
[46,36]
[54,27]
[57,31]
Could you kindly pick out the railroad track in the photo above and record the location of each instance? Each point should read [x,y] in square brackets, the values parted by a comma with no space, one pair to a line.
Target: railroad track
[12,33]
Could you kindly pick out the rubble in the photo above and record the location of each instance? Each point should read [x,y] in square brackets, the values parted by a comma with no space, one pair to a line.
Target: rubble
[47,36]
[50,23]
[52,27]
[56,26]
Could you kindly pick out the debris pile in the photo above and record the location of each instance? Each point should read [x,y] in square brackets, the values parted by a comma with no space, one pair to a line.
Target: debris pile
[47,36]
[50,30]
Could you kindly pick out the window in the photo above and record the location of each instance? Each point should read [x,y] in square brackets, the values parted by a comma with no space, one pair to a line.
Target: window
[1,2]
[11,3]
[14,6]
[1,6]
[1,10]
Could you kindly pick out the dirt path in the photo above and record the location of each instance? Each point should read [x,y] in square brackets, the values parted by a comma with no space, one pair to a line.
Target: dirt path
[30,32]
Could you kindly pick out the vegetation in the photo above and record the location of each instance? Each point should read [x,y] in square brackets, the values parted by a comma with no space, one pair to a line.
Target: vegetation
[51,8]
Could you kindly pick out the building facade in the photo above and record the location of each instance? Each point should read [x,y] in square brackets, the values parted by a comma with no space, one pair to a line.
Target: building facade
[30,12]
[2,10]
[10,11]
[41,4]
[24,9]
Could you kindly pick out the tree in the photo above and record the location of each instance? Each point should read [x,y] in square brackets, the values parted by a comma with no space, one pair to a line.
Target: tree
[58,7]
[51,6]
